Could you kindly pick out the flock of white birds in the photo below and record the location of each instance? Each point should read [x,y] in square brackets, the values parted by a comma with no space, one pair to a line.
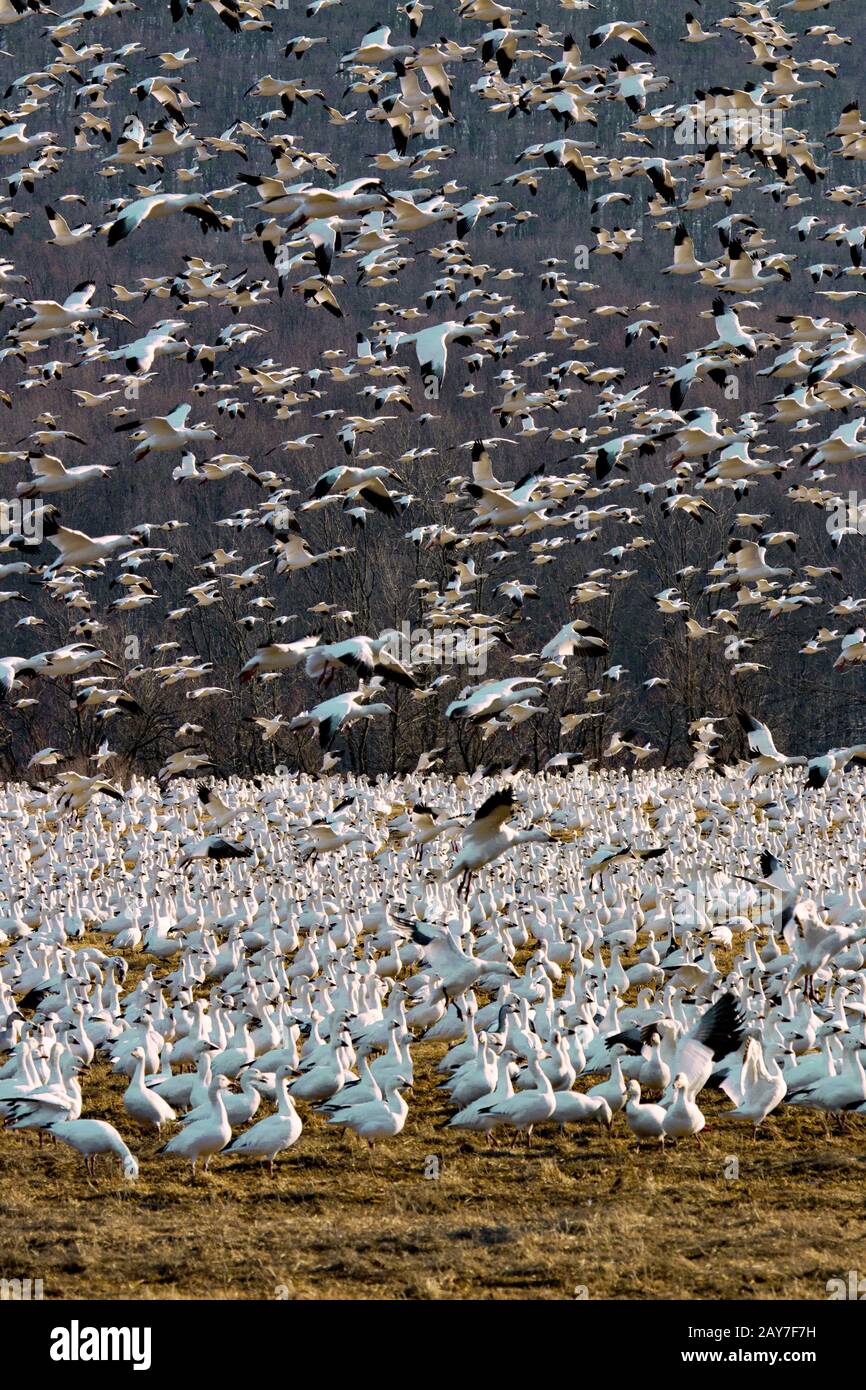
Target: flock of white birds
[591,944]
[307,960]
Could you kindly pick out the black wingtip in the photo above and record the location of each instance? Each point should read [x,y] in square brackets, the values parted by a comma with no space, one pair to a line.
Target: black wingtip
[721,1027]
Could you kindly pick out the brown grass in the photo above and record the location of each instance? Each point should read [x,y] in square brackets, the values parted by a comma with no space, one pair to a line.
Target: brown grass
[584,1211]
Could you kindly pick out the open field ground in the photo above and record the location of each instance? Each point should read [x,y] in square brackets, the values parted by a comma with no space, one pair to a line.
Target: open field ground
[586,1211]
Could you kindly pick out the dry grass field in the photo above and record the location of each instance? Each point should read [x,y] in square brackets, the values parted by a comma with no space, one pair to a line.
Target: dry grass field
[585,1214]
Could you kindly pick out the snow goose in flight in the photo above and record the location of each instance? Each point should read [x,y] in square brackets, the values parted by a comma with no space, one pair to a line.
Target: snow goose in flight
[78,549]
[576,636]
[49,318]
[77,791]
[335,714]
[61,232]
[428,825]
[216,812]
[50,475]
[513,507]
[766,756]
[277,656]
[607,857]
[749,560]
[213,847]
[325,836]
[376,47]
[821,768]
[627,31]
[814,943]
[367,484]
[366,655]
[58,1099]
[159,205]
[165,433]
[492,697]
[454,971]
[488,836]
[853,649]
[780,889]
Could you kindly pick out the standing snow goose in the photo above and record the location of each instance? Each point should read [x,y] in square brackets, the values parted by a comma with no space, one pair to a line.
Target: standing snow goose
[144,1104]
[240,1107]
[645,1121]
[206,1137]
[526,1108]
[376,1119]
[274,1134]
[327,1073]
[480,1116]
[613,1090]
[573,1107]
[838,1092]
[683,1117]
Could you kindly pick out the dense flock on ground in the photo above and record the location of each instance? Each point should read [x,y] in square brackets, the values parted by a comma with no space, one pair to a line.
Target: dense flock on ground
[635,940]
